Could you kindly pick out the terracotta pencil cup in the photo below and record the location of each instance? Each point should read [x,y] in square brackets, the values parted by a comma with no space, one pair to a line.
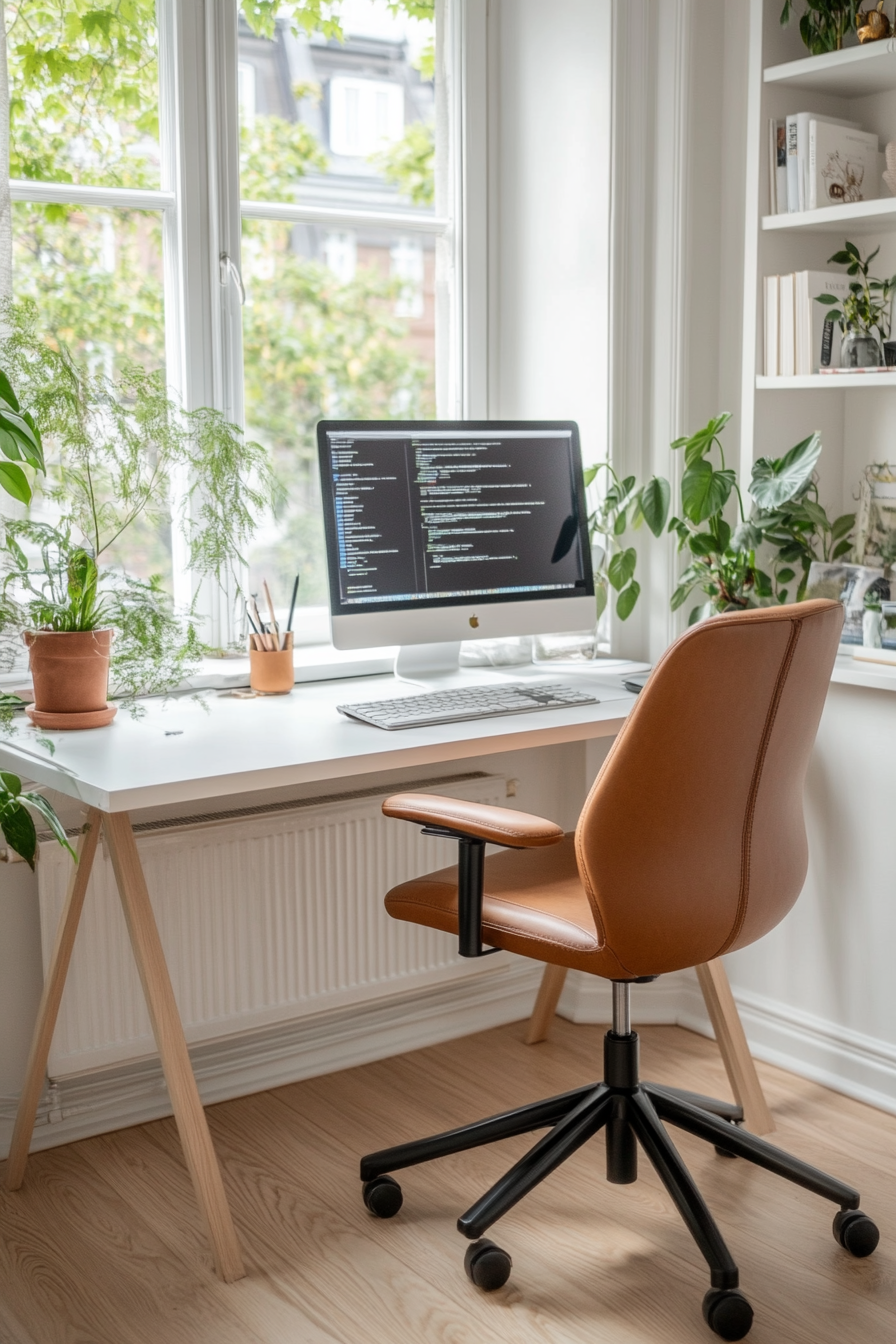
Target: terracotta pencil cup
[272,673]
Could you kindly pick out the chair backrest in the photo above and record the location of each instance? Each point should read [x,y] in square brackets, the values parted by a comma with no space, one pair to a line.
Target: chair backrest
[692,841]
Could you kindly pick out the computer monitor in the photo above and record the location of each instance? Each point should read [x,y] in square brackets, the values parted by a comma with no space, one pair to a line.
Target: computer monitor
[440,531]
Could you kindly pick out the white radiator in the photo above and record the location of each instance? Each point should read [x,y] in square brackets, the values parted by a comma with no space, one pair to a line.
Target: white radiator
[265,916]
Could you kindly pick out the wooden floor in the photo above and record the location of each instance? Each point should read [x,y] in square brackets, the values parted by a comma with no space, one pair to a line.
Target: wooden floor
[103,1244]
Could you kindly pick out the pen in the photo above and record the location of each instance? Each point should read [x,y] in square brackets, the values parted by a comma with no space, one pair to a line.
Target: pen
[275,629]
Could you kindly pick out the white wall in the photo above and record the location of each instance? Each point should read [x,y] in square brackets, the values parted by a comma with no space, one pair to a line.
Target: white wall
[549,169]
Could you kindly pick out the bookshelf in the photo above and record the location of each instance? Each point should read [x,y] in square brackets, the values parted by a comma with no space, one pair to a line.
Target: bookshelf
[856,414]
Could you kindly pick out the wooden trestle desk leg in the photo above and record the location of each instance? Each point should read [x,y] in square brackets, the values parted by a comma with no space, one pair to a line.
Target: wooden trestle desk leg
[172,1046]
[726,1024]
[54,983]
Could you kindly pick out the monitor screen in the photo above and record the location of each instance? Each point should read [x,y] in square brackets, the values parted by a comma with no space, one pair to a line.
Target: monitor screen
[429,514]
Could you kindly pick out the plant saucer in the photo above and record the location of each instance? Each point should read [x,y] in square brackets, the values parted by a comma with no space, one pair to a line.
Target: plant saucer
[91,718]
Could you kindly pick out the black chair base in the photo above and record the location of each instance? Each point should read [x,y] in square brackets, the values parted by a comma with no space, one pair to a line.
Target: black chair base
[632,1113]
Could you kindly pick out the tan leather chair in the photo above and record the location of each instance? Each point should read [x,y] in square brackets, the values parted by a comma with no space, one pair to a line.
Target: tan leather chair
[691,844]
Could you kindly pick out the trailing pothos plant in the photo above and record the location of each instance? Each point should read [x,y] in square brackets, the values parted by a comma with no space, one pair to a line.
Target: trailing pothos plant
[785,520]
[119,450]
[16,821]
[623,504]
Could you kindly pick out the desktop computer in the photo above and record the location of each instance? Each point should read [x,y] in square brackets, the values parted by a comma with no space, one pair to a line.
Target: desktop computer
[440,531]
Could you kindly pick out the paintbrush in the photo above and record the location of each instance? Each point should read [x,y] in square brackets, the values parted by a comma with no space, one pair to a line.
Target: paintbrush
[292,605]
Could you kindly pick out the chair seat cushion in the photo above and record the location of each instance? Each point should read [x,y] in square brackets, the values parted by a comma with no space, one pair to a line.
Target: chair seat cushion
[533,903]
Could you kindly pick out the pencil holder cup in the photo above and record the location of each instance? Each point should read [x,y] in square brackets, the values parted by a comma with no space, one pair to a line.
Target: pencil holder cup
[272,673]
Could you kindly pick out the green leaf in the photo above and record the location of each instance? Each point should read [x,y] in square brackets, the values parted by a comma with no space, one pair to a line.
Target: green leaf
[816,514]
[704,491]
[785,575]
[622,567]
[842,548]
[702,543]
[679,596]
[762,583]
[14,481]
[723,532]
[655,500]
[829,299]
[775,481]
[747,537]
[600,598]
[7,393]
[621,523]
[842,525]
[625,603]
[589,474]
[782,596]
[10,782]
[48,812]
[18,830]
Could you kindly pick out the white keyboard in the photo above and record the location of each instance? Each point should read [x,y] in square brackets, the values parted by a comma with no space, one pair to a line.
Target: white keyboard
[467,702]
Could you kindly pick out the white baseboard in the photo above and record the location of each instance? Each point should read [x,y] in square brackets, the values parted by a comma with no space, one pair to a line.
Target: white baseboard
[131,1094]
[849,1062]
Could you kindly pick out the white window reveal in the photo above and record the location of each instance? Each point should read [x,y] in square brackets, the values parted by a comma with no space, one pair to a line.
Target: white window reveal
[341,255]
[366,115]
[246,94]
[407,266]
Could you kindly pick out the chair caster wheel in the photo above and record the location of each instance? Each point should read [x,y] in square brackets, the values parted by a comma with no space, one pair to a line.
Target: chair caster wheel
[383,1196]
[723,1152]
[856,1232]
[727,1312]
[487,1265]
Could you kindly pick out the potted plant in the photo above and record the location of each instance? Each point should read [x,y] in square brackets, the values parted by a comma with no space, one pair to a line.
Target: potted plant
[825,23]
[116,449]
[624,504]
[16,822]
[865,309]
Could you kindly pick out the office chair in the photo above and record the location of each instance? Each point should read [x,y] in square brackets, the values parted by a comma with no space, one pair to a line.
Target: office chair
[691,843]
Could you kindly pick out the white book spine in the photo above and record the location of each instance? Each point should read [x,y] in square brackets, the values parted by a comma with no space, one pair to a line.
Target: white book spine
[771,326]
[793,201]
[786,343]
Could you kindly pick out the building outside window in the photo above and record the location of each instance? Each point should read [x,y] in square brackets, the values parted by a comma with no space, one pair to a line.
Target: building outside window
[334,134]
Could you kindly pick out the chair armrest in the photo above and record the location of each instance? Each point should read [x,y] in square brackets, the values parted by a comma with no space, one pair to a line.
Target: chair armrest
[479,821]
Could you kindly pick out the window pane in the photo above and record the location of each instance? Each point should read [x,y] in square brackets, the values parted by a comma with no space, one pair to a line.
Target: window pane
[339,322]
[336,324]
[84,97]
[96,278]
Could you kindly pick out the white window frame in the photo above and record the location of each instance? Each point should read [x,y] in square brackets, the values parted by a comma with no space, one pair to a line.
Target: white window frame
[202,215]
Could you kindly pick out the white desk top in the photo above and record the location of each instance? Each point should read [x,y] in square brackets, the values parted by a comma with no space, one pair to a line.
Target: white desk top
[181,751]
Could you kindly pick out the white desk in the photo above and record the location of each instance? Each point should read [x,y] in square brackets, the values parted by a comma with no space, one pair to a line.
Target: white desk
[183,752]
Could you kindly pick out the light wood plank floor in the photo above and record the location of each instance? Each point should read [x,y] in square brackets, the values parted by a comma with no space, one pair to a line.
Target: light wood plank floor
[103,1244]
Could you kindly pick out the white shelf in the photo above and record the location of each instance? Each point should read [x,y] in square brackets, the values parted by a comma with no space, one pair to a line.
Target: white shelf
[853,382]
[853,73]
[858,218]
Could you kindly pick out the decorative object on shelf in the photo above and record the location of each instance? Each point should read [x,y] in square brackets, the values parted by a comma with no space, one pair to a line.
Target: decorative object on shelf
[890,354]
[16,821]
[116,447]
[872,620]
[865,309]
[825,23]
[786,517]
[848,584]
[890,175]
[873,24]
[876,518]
[624,504]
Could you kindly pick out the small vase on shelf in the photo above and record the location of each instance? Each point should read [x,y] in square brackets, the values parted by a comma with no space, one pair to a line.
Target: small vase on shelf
[860,350]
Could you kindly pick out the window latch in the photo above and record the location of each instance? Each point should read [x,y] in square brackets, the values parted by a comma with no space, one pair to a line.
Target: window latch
[228,270]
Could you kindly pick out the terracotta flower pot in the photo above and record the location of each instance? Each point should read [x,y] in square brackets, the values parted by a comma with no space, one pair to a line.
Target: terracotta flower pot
[70,672]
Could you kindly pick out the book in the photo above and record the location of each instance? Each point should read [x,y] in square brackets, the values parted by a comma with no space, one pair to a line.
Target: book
[780,168]
[797,139]
[786,324]
[842,164]
[771,326]
[817,337]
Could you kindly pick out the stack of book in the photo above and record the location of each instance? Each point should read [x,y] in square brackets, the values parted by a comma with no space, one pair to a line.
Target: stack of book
[800,338]
[816,161]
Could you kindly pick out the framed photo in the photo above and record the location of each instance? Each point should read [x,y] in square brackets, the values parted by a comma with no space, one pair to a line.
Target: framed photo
[847,584]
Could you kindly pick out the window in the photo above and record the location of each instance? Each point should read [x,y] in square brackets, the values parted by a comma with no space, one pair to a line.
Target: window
[286,257]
